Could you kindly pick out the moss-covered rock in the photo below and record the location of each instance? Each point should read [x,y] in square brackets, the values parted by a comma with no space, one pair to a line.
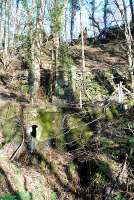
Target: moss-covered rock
[130,103]
[51,127]
[98,111]
[9,124]
[79,133]
[108,166]
[106,143]
[114,110]
[108,114]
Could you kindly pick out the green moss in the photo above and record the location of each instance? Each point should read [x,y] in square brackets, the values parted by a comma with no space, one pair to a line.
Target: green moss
[104,167]
[9,124]
[9,111]
[95,91]
[106,143]
[114,110]
[17,196]
[72,168]
[130,142]
[80,132]
[24,195]
[23,88]
[108,115]
[54,196]
[91,111]
[110,164]
[98,112]
[130,103]
[119,197]
[124,121]
[50,123]
[7,197]
[100,179]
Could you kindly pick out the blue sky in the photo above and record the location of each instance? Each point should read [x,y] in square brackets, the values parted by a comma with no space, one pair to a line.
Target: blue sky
[99,15]
[85,13]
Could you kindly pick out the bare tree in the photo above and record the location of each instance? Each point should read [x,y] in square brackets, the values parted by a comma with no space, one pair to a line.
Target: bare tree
[74,7]
[95,24]
[129,39]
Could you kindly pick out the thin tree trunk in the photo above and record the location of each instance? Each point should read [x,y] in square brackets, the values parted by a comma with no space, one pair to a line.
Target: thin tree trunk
[72,24]
[1,23]
[5,36]
[93,16]
[82,41]
[66,31]
[105,13]
[132,9]
[128,36]
[129,40]
[83,55]
[16,23]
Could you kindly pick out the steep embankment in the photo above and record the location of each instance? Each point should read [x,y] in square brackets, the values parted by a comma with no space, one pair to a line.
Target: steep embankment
[81,153]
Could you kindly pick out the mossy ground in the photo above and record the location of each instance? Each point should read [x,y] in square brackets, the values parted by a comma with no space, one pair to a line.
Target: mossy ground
[10,123]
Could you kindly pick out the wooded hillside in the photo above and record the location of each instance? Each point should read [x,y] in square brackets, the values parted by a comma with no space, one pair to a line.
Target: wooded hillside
[66,100]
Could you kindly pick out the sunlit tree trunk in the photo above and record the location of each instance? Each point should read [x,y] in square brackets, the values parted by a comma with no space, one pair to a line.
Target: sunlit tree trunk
[66,31]
[1,23]
[82,40]
[129,39]
[36,47]
[15,31]
[5,38]
[56,43]
[82,89]
[63,18]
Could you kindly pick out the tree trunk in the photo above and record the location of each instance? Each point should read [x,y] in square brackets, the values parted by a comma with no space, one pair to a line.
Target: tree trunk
[132,9]
[5,39]
[128,36]
[74,5]
[1,23]
[82,41]
[129,40]
[105,13]
[15,24]
[56,44]
[93,15]
[36,49]
[72,23]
